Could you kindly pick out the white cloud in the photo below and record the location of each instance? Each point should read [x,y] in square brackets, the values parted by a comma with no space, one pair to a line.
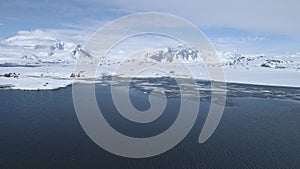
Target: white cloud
[254,38]
[268,17]
[246,44]
[280,16]
[77,36]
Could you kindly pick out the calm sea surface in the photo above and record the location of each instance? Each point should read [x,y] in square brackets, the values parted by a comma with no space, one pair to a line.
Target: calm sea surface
[260,128]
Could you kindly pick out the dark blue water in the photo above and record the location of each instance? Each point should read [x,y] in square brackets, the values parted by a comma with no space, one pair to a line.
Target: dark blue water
[260,129]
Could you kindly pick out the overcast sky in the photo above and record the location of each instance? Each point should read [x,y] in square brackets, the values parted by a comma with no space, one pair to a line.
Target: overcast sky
[252,25]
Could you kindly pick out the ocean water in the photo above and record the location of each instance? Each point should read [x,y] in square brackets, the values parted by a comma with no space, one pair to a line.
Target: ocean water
[259,129]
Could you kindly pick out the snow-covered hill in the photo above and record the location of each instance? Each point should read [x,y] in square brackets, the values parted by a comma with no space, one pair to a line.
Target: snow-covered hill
[173,54]
[39,60]
[284,62]
[38,47]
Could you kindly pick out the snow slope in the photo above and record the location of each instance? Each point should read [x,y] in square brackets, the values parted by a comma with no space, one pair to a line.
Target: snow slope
[39,61]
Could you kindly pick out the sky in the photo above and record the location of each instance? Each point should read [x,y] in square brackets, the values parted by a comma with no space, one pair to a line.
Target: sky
[252,26]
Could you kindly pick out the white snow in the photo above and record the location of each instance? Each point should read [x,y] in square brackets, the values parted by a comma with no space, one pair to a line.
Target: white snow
[42,62]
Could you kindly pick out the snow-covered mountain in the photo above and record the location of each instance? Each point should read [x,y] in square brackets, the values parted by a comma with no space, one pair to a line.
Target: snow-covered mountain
[289,62]
[38,48]
[39,60]
[172,54]
[233,60]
